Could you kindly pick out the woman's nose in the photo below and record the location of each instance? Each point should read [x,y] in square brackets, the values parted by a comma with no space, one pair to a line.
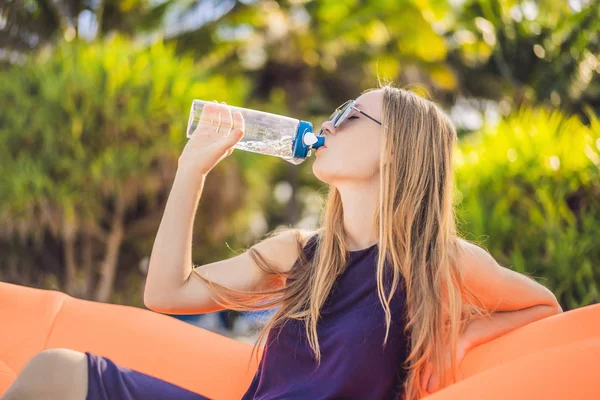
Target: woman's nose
[327,126]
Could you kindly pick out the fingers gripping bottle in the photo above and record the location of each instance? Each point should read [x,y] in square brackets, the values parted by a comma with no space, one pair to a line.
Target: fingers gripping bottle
[264,133]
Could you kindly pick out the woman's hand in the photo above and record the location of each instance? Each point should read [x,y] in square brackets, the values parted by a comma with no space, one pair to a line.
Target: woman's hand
[430,382]
[213,139]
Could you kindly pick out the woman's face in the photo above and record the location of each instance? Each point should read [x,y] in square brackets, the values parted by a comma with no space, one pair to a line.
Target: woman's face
[352,150]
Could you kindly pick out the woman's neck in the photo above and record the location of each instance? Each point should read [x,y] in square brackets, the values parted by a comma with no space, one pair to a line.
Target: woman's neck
[359,202]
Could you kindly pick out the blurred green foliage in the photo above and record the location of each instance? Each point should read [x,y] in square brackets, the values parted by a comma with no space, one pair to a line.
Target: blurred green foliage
[529,52]
[90,136]
[95,97]
[31,24]
[531,186]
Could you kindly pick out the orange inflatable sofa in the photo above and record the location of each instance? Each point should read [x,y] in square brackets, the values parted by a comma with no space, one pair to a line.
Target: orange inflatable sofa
[554,358]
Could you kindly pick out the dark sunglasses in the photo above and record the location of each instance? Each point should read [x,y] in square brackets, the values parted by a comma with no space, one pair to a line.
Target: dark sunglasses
[342,112]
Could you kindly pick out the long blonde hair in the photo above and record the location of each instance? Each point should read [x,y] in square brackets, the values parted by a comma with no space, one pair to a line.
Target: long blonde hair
[415,221]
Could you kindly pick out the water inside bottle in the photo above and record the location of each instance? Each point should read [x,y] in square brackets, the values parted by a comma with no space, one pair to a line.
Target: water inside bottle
[281,147]
[264,133]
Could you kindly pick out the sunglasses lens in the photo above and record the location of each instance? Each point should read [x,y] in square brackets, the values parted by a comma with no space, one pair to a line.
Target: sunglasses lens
[343,114]
[334,116]
[338,114]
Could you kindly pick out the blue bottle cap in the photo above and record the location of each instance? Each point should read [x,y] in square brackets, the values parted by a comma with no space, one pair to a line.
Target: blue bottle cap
[299,149]
[320,142]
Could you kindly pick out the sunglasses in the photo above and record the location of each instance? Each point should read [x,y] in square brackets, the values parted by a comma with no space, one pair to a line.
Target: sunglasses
[342,112]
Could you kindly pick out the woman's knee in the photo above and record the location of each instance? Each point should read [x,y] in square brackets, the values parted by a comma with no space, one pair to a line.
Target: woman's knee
[52,373]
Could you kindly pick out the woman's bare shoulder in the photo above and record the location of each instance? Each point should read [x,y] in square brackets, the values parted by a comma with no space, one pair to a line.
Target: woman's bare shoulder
[283,247]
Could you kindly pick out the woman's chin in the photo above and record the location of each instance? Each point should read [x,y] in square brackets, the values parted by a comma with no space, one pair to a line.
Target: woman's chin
[320,173]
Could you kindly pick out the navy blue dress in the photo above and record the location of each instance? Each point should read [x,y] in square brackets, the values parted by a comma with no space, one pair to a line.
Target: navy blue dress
[351,331]
[110,381]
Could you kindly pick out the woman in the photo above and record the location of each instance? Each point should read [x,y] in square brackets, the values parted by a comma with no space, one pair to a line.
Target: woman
[381,302]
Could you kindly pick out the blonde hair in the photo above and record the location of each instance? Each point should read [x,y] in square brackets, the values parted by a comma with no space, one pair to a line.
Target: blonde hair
[415,221]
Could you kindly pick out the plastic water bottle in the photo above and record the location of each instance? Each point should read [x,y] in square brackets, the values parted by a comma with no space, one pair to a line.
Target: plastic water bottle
[266,133]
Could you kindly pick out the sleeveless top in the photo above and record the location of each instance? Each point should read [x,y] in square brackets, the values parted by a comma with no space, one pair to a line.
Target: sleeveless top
[351,329]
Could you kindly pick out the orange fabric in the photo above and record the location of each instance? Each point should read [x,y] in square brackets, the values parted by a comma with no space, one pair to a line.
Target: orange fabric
[551,358]
[575,325]
[565,372]
[199,360]
[7,376]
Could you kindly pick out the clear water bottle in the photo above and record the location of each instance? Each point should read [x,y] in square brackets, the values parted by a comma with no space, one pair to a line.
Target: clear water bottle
[266,133]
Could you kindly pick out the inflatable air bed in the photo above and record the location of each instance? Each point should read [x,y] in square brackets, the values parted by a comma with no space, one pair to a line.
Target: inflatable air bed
[554,358]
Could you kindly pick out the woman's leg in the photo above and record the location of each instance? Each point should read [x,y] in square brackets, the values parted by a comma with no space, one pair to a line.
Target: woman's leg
[53,374]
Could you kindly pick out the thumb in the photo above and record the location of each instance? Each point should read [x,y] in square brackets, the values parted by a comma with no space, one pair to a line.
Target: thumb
[239,134]
[231,140]
[235,137]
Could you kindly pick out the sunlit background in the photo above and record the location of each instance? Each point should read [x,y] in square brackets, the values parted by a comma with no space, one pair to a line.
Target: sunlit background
[95,95]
